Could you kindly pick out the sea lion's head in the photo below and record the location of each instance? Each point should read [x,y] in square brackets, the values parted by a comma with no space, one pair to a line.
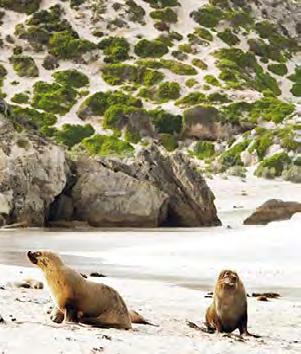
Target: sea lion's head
[228,280]
[44,259]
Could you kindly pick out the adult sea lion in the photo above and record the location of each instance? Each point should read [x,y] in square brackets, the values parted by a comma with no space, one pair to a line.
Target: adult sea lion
[229,308]
[80,300]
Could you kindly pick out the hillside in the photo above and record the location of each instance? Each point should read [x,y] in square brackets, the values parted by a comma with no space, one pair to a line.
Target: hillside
[218,79]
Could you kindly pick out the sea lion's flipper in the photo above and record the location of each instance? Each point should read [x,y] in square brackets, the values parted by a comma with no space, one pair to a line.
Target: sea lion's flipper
[137,318]
[71,313]
[57,315]
[205,329]
[243,327]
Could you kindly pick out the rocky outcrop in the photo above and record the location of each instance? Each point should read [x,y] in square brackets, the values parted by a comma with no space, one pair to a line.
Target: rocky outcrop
[39,185]
[286,14]
[103,197]
[191,202]
[204,123]
[273,210]
[32,173]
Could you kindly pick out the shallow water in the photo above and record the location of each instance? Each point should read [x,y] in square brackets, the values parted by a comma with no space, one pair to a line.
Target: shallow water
[267,257]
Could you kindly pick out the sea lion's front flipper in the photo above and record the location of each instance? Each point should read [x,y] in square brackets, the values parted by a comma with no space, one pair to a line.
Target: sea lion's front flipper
[57,315]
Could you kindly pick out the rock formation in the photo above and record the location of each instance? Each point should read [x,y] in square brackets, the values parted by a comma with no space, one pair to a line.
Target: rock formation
[103,197]
[273,210]
[40,185]
[191,202]
[32,173]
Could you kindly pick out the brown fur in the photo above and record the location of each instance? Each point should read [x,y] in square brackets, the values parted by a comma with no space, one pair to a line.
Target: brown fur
[228,310]
[79,300]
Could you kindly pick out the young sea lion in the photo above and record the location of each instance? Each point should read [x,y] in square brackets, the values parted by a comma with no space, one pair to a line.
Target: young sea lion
[229,309]
[79,300]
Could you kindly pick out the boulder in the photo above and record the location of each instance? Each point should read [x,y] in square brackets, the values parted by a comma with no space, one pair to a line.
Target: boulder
[204,123]
[103,197]
[33,172]
[191,202]
[273,210]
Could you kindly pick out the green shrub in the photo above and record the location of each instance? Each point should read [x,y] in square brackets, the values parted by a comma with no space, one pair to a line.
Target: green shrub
[131,135]
[98,103]
[186,48]
[104,145]
[241,18]
[191,99]
[297,161]
[166,15]
[266,51]
[228,37]
[71,135]
[152,49]
[203,150]
[23,6]
[166,123]
[71,78]
[162,3]
[42,24]
[117,74]
[24,66]
[203,33]
[135,12]
[281,43]
[53,98]
[211,80]
[117,116]
[217,97]
[231,157]
[116,49]
[262,143]
[178,68]
[40,120]
[63,45]
[271,109]
[296,77]
[169,142]
[168,91]
[173,65]
[20,98]
[199,63]
[296,90]
[288,139]
[292,174]
[191,82]
[3,73]
[278,69]
[208,16]
[240,70]
[277,163]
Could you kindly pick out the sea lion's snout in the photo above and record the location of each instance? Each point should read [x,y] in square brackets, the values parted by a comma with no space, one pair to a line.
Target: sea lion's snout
[230,279]
[33,257]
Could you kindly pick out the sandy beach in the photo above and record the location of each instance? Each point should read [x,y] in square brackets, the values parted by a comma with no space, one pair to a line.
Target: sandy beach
[165,274]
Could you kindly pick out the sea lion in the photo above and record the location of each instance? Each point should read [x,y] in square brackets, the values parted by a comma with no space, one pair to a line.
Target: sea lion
[229,309]
[80,300]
